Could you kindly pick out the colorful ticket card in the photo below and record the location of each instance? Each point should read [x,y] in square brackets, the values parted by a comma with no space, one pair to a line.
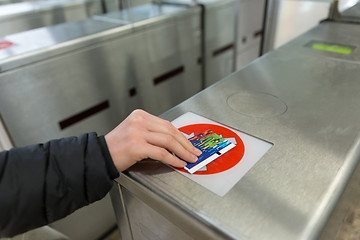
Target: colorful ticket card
[211,145]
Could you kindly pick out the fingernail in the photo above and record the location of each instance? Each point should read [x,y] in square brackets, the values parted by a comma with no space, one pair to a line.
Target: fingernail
[197,151]
[194,158]
[183,164]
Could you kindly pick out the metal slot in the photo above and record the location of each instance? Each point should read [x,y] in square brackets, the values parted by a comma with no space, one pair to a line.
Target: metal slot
[83,115]
[132,92]
[168,75]
[258,33]
[223,49]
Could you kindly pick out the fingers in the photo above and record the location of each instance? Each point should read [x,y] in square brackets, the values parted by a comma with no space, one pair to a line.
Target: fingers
[169,142]
[158,153]
[142,135]
[166,127]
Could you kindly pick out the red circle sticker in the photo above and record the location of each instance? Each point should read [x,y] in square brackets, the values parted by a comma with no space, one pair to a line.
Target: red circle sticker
[5,44]
[224,162]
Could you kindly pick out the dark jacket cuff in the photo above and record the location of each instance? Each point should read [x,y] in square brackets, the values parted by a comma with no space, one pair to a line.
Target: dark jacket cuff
[110,166]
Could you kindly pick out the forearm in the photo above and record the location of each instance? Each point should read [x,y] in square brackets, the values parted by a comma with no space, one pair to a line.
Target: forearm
[42,183]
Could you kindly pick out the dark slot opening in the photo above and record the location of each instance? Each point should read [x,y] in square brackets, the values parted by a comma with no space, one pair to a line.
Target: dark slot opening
[218,153]
[223,49]
[244,39]
[168,75]
[132,92]
[84,114]
[258,33]
[199,60]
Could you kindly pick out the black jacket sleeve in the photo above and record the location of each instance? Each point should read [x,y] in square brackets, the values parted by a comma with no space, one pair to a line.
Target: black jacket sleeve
[42,183]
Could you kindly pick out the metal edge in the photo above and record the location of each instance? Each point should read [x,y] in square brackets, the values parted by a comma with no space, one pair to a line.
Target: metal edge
[122,218]
[167,207]
[6,141]
[63,47]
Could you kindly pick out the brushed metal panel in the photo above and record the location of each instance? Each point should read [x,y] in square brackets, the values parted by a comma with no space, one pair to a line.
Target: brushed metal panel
[168,213]
[293,189]
[145,221]
[43,43]
[219,33]
[161,30]
[334,32]
[50,91]
[121,212]
[250,24]
[24,16]
[165,52]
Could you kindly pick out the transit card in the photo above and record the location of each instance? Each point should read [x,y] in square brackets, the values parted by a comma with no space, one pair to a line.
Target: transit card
[211,145]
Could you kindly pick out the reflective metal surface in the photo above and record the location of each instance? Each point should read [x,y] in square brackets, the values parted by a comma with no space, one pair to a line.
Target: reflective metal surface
[42,43]
[5,141]
[142,15]
[170,64]
[50,76]
[219,39]
[352,13]
[24,16]
[292,190]
[249,30]
[287,20]
[340,34]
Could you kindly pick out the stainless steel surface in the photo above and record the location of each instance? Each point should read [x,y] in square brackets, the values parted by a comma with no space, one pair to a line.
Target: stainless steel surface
[328,32]
[42,43]
[142,15]
[344,220]
[42,233]
[288,19]
[219,39]
[147,211]
[237,25]
[161,30]
[81,78]
[24,16]
[271,21]
[5,140]
[60,76]
[134,3]
[291,192]
[249,31]
[352,13]
[3,2]
[51,74]
[122,218]
[145,55]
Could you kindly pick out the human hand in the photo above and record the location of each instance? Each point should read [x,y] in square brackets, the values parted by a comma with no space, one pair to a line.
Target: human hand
[142,135]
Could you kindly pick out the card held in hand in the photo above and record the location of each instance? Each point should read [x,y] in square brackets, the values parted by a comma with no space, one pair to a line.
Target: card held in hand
[211,145]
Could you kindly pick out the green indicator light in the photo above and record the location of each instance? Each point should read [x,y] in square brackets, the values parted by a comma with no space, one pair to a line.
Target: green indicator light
[332,48]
